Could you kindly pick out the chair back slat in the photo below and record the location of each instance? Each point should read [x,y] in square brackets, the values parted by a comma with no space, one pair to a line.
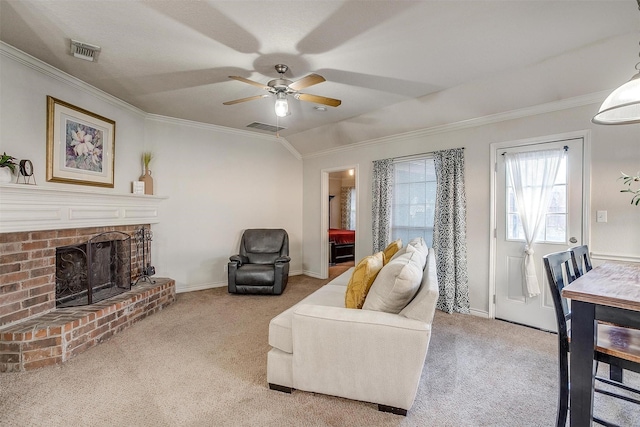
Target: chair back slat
[560,272]
[580,259]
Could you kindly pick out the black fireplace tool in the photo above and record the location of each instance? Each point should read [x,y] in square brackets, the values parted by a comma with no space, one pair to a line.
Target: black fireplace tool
[144,236]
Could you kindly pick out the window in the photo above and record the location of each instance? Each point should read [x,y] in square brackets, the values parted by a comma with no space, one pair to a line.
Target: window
[555,223]
[414,200]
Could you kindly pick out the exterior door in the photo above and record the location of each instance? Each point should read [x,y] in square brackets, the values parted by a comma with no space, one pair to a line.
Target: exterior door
[562,229]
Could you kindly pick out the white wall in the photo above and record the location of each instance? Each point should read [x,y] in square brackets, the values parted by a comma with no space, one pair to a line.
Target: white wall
[218,182]
[24,86]
[612,149]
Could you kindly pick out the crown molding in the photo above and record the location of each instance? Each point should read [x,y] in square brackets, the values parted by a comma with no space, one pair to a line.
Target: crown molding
[563,104]
[59,75]
[35,64]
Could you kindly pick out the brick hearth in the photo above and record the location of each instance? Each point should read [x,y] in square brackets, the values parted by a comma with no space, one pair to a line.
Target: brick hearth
[33,333]
[59,335]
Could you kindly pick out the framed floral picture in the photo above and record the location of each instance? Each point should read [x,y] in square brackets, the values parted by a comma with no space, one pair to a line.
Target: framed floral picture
[80,145]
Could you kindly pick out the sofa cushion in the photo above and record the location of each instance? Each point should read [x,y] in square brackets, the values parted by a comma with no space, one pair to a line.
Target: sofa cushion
[280,326]
[361,280]
[400,252]
[391,249]
[415,244]
[343,279]
[423,305]
[396,284]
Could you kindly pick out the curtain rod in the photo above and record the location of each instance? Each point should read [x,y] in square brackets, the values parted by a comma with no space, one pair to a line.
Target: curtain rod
[566,147]
[411,156]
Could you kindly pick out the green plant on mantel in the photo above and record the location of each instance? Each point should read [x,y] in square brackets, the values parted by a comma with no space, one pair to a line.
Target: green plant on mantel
[147,156]
[7,161]
[629,181]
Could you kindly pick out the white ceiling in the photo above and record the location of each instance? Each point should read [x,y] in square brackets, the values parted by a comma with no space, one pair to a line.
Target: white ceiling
[173,58]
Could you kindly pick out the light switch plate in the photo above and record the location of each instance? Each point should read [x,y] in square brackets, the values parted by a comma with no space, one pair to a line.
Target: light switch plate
[601,216]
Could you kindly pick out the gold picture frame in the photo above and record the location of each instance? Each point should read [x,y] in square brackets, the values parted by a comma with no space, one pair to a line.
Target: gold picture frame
[80,145]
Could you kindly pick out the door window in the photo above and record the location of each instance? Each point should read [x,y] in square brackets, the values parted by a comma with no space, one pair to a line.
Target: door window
[554,229]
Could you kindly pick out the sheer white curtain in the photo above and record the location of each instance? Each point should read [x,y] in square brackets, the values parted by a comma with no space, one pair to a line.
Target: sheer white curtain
[532,175]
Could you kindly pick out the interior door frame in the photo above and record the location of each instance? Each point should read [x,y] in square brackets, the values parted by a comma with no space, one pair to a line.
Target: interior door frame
[324,217]
[586,196]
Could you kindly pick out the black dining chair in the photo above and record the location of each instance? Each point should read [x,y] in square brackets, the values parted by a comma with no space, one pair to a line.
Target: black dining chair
[580,259]
[615,345]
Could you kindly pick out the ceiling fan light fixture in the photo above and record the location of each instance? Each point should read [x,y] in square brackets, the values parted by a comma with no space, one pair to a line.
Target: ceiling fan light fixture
[281,106]
[622,106]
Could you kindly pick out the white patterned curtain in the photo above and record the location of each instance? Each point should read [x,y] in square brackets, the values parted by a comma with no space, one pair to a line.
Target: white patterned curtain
[382,187]
[347,194]
[450,231]
[532,175]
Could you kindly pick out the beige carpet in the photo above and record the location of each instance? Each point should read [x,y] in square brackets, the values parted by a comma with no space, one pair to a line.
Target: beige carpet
[202,362]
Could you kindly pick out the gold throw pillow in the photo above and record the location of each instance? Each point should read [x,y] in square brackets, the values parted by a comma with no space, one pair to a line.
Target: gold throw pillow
[391,249]
[363,276]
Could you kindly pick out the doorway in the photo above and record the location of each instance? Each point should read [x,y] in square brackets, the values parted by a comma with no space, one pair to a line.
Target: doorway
[339,217]
[564,226]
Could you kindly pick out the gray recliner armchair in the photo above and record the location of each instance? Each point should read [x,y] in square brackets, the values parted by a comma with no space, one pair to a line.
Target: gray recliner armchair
[262,266]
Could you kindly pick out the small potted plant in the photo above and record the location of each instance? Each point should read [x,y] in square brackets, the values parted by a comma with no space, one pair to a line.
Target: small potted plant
[146,178]
[7,167]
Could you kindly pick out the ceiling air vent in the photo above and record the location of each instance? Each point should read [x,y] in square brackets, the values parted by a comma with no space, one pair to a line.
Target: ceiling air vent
[264,126]
[85,51]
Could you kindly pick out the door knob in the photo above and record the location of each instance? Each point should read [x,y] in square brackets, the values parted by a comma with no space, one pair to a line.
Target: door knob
[573,240]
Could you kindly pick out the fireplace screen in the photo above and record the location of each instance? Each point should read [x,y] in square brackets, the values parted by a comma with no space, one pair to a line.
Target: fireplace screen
[93,271]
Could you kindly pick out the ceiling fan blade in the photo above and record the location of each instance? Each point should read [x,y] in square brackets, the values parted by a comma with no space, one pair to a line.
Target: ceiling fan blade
[318,99]
[251,82]
[251,98]
[310,80]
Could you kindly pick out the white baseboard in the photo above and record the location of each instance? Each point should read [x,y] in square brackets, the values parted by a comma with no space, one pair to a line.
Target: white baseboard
[180,288]
[199,287]
[312,274]
[479,313]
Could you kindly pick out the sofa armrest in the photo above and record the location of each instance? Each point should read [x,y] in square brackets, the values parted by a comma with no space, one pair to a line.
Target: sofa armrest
[358,354]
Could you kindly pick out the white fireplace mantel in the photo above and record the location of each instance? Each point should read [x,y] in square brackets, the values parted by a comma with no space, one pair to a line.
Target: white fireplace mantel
[32,208]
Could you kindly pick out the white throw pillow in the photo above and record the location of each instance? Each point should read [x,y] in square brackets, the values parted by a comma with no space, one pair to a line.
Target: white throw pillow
[396,284]
[422,255]
[419,244]
[400,252]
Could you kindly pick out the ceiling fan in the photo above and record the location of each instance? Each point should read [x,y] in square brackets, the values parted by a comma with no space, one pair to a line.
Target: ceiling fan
[282,87]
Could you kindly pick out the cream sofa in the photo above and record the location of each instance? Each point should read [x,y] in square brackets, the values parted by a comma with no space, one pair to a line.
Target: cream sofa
[320,346]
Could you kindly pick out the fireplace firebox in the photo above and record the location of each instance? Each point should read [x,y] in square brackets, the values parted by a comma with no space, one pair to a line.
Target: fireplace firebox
[93,271]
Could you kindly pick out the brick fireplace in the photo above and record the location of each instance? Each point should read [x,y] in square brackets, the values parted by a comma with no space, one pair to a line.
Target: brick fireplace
[33,332]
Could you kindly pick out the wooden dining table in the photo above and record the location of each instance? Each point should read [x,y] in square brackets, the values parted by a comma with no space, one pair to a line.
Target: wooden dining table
[608,293]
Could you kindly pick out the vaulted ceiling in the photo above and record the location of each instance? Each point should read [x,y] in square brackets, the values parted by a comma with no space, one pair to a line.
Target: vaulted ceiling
[174,58]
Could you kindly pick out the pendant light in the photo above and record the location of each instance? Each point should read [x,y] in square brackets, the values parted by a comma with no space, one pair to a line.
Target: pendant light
[622,106]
